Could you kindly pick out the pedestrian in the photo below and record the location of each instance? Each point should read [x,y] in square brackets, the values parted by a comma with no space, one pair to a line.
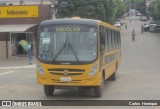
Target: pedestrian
[133,35]
[126,25]
[130,20]
[29,54]
[142,29]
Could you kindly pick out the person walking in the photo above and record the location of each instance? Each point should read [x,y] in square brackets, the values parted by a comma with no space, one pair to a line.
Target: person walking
[130,20]
[142,29]
[126,25]
[133,35]
[29,54]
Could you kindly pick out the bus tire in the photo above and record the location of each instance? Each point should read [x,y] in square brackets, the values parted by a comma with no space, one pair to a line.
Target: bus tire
[112,77]
[99,89]
[48,90]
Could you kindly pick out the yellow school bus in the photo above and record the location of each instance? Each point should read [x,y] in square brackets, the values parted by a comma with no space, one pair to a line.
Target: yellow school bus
[76,52]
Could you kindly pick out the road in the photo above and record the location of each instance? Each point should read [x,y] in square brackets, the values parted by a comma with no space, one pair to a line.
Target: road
[137,77]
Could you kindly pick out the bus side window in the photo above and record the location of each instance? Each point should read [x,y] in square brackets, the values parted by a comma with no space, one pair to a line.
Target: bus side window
[113,40]
[119,40]
[102,41]
[109,40]
[116,40]
[106,37]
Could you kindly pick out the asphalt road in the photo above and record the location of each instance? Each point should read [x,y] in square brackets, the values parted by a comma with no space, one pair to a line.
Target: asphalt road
[138,77]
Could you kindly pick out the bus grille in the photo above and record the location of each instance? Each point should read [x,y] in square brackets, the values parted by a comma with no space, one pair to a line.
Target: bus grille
[73,81]
[66,72]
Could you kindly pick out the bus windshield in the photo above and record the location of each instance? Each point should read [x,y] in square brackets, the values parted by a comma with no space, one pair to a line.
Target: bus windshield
[67,43]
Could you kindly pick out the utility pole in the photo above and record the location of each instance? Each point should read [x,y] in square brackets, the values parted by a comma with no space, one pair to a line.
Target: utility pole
[53,9]
[21,2]
[41,2]
[146,9]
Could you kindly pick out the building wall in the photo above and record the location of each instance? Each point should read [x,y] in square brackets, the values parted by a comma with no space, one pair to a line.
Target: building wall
[44,14]
[3,49]
[4,52]
[25,2]
[2,45]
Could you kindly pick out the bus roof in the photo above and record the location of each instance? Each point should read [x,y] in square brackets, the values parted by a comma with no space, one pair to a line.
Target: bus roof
[77,21]
[69,21]
[108,25]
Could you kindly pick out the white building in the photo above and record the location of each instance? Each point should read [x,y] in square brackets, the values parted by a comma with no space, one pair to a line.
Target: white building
[148,2]
[24,2]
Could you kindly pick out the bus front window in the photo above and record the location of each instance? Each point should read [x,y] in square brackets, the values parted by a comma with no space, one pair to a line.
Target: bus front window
[68,43]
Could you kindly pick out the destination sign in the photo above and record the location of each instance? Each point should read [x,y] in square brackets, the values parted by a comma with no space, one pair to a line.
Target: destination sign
[68,29]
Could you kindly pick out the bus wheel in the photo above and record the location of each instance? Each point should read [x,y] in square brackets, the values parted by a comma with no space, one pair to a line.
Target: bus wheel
[99,89]
[48,90]
[112,77]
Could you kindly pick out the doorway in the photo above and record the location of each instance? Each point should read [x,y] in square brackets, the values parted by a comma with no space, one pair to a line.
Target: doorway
[17,49]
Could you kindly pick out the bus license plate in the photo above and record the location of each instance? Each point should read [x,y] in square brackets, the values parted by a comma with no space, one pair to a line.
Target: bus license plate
[65,79]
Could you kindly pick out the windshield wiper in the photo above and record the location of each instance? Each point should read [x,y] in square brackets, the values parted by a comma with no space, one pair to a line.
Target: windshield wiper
[61,49]
[74,52]
[66,45]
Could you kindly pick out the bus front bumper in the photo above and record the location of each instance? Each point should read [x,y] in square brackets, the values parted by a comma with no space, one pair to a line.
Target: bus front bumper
[88,81]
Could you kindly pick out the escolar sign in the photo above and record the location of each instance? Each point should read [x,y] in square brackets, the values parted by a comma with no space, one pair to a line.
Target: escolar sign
[18,11]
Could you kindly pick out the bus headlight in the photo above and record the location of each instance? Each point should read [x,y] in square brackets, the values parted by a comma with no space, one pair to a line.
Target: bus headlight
[40,69]
[93,70]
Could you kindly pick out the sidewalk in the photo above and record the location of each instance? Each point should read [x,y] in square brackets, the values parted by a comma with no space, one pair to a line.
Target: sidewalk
[17,62]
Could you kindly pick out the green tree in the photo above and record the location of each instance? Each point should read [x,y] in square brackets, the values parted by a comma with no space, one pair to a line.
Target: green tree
[122,8]
[105,10]
[139,5]
[111,10]
[154,10]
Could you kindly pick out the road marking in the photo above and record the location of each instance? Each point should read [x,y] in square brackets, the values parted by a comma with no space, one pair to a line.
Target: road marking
[18,67]
[158,107]
[5,73]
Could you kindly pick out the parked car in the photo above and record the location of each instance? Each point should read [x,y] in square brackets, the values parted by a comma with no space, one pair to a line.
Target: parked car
[157,28]
[121,21]
[117,24]
[146,28]
[154,28]
[143,18]
[138,14]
